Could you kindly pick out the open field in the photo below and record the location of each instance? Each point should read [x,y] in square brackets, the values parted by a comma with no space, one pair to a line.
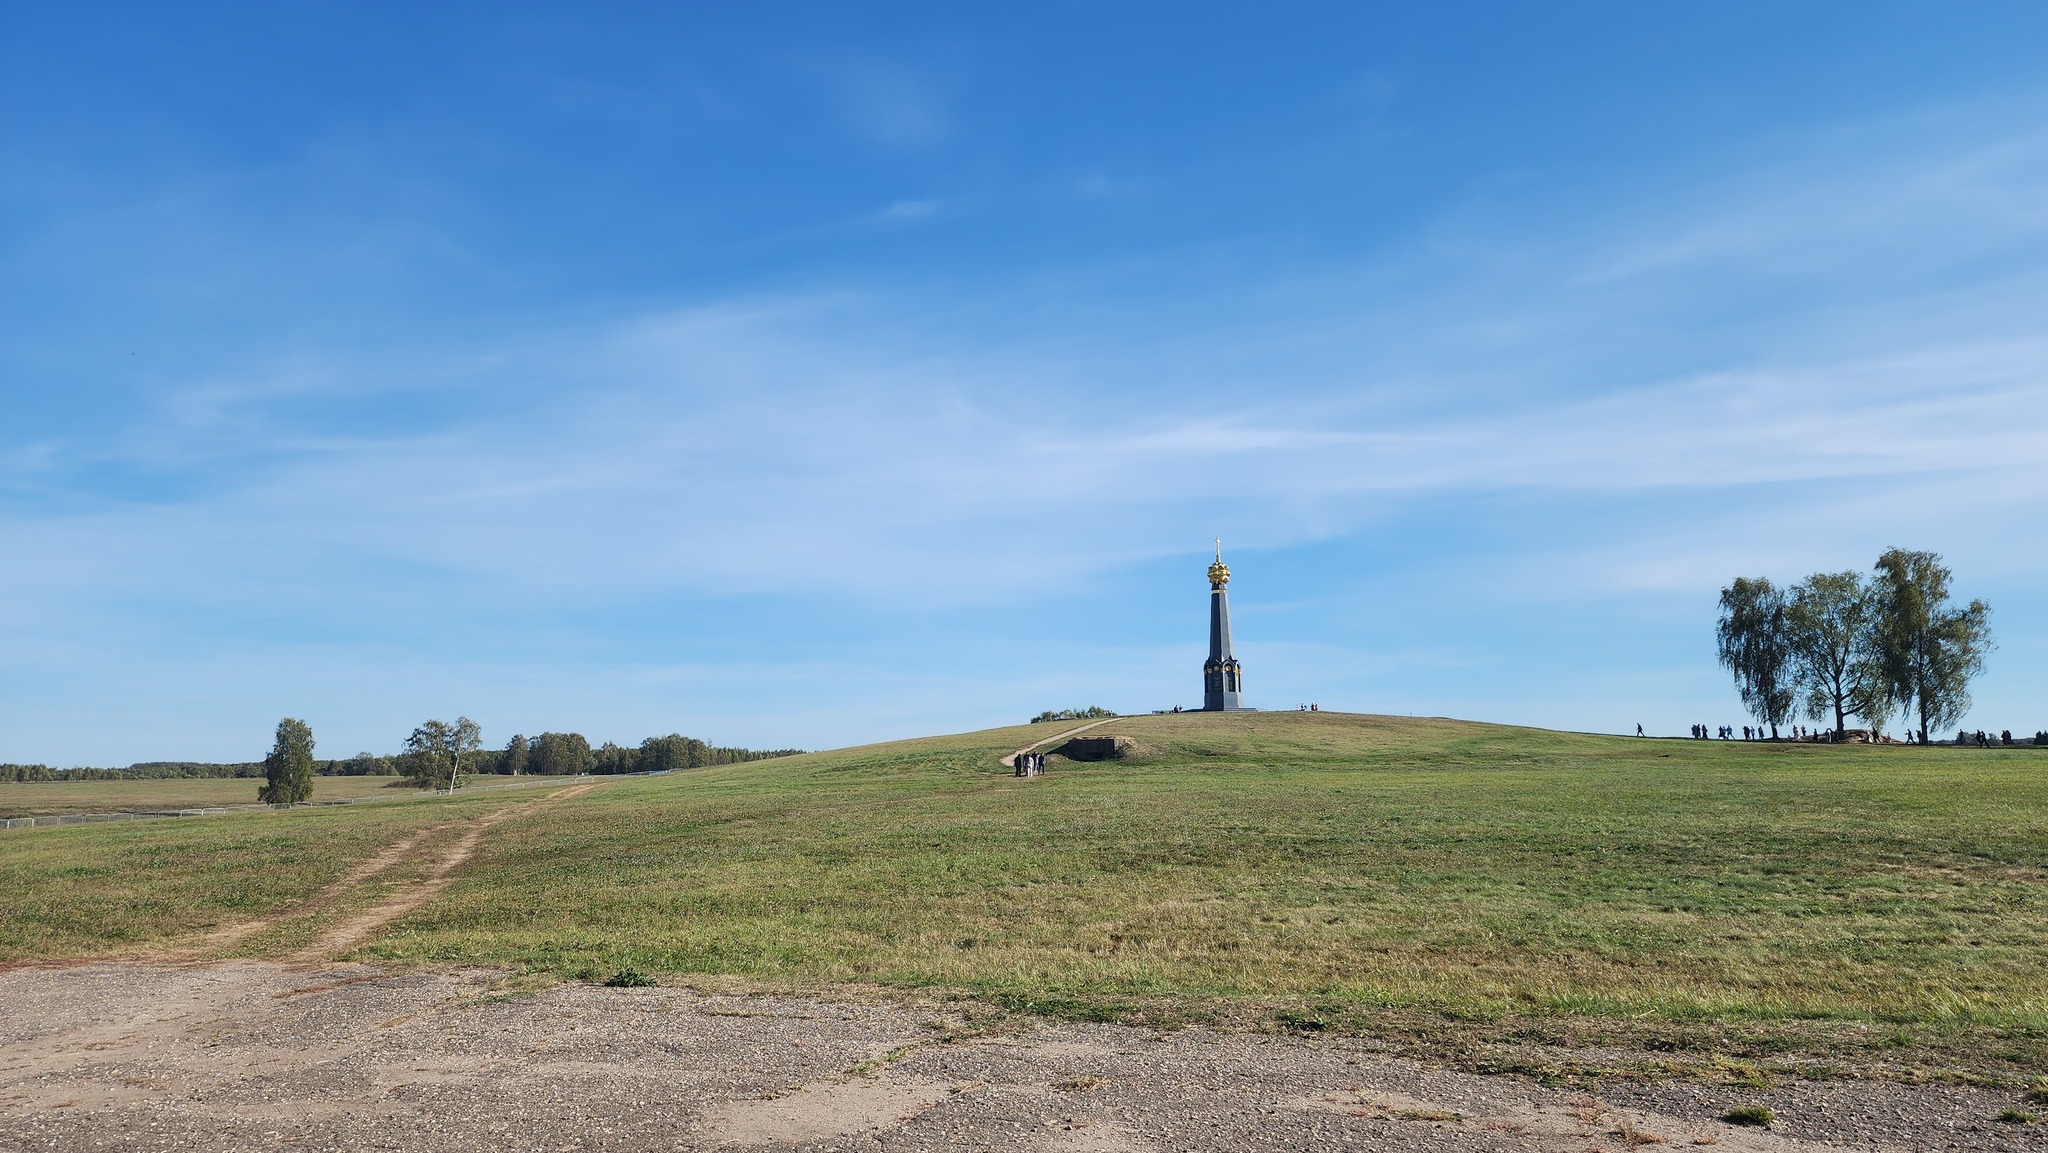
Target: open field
[266,881]
[1471,891]
[56,798]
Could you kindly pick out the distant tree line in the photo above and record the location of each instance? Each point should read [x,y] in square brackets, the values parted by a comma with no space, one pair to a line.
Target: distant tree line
[141,771]
[1090,713]
[431,759]
[438,752]
[558,753]
[1841,644]
[360,765]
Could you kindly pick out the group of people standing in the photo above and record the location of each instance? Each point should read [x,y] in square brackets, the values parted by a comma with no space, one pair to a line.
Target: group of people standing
[1030,764]
[1756,733]
[1727,733]
[1980,738]
[1984,740]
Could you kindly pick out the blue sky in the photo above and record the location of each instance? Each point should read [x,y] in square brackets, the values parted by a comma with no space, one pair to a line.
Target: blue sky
[823,373]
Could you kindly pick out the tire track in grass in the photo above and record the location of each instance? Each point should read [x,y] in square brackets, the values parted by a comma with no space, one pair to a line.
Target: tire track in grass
[359,927]
[390,857]
[362,926]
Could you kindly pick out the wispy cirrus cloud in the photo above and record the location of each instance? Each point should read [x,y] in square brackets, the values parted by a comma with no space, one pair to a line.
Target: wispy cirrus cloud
[890,104]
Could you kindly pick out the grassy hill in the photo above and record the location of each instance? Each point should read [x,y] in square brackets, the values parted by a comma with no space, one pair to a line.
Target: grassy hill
[1427,880]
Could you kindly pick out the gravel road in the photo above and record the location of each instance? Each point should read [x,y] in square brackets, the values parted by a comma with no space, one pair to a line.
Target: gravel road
[253,1055]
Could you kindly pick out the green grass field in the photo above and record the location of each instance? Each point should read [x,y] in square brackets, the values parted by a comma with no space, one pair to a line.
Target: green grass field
[54,798]
[1425,879]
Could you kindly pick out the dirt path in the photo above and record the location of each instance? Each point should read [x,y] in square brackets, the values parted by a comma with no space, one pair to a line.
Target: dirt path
[359,927]
[248,1055]
[1010,761]
[356,929]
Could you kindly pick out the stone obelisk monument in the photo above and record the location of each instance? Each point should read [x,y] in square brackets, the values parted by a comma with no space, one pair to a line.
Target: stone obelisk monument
[1222,679]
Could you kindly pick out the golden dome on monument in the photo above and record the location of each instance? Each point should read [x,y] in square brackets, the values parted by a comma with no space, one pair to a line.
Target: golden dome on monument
[1219,573]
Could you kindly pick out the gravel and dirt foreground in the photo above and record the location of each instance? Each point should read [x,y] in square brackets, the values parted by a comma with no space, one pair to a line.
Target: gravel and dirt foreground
[258,1055]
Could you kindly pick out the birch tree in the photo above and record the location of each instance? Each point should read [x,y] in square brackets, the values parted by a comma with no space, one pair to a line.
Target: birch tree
[1927,648]
[1753,643]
